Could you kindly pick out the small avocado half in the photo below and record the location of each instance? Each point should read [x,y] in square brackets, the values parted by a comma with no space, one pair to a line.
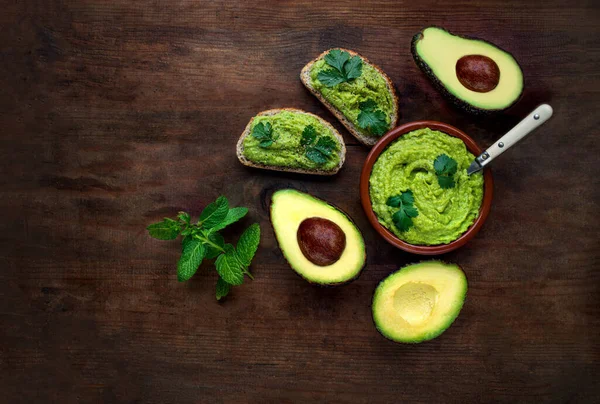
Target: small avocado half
[419,302]
[319,241]
[473,74]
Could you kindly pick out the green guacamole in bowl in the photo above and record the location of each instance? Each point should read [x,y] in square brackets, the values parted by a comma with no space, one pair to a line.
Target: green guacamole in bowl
[408,164]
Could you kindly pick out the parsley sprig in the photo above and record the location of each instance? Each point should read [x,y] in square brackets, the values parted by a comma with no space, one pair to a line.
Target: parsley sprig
[403,216]
[371,118]
[445,168]
[201,240]
[264,133]
[344,68]
[322,150]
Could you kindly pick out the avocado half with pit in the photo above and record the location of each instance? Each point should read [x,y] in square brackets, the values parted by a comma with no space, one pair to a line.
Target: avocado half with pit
[419,302]
[319,241]
[475,75]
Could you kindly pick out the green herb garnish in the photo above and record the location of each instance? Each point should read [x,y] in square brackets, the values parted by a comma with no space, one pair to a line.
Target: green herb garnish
[345,68]
[445,168]
[201,241]
[371,118]
[264,133]
[403,217]
[322,150]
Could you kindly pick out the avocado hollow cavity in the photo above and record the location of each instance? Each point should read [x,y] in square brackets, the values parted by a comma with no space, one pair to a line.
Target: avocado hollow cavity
[321,241]
[415,302]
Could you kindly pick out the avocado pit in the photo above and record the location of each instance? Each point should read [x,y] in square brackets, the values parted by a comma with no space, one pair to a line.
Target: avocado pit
[321,241]
[478,73]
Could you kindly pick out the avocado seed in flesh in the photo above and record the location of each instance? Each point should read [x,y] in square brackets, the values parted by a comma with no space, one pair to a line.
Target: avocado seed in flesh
[478,73]
[321,241]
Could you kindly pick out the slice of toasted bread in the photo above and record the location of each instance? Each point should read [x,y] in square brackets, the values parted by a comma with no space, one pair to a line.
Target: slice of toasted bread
[367,140]
[246,162]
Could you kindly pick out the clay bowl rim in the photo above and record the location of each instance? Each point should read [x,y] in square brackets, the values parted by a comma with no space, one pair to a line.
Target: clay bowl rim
[381,145]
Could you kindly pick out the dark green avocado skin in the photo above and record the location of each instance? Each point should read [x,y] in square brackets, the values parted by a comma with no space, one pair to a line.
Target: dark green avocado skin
[457,102]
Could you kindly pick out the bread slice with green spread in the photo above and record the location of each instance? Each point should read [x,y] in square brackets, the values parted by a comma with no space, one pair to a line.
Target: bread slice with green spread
[356,91]
[292,140]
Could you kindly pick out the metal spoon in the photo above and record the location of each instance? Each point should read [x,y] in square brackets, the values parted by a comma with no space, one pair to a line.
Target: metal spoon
[539,115]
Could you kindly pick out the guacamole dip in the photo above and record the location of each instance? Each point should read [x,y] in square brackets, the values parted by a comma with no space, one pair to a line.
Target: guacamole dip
[347,96]
[407,164]
[287,151]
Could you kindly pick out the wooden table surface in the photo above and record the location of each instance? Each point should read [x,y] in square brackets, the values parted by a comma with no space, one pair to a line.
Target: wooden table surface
[115,114]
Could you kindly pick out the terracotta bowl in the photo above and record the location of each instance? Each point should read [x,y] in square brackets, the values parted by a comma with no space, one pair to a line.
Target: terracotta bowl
[380,146]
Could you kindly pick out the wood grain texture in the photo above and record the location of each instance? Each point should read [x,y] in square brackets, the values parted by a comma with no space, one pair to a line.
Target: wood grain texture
[114,114]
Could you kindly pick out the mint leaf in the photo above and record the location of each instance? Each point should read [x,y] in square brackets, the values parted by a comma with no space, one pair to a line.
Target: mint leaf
[402,221]
[214,213]
[229,266]
[445,168]
[309,134]
[233,216]
[222,289]
[191,257]
[248,244]
[165,230]
[184,217]
[372,119]
[353,68]
[331,77]
[336,58]
[211,250]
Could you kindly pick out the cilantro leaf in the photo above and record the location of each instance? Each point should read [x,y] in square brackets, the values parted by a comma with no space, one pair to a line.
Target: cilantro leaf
[233,216]
[214,213]
[372,119]
[402,221]
[264,133]
[445,167]
[222,288]
[316,156]
[344,68]
[337,58]
[229,266]
[309,134]
[248,244]
[331,77]
[165,230]
[403,217]
[191,257]
[353,68]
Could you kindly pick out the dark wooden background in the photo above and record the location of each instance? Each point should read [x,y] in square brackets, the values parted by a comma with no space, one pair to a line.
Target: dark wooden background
[114,114]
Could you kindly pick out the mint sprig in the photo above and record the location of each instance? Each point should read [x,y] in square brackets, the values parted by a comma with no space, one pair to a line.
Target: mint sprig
[201,241]
[344,68]
[445,167]
[402,218]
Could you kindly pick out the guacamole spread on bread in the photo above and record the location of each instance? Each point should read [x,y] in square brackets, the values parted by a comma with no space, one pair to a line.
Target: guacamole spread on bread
[347,96]
[408,164]
[287,149]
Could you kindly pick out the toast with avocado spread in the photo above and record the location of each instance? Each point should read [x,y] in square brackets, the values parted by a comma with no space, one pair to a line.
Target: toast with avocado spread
[289,139]
[356,91]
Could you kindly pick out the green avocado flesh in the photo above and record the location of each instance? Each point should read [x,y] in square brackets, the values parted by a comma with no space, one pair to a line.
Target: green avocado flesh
[347,96]
[289,208]
[407,164]
[287,151]
[437,52]
[419,302]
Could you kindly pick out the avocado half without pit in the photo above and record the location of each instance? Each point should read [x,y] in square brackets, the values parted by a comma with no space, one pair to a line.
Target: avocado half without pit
[319,241]
[475,75]
[419,302]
